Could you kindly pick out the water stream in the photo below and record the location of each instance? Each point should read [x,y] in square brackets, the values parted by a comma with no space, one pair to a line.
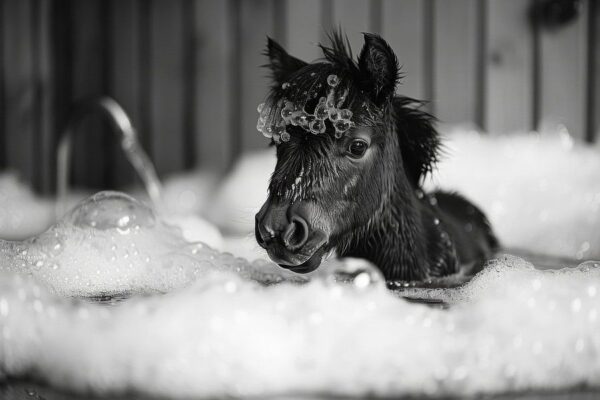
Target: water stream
[130,144]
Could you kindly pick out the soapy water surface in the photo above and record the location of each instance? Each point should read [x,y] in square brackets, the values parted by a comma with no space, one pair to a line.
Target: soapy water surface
[205,324]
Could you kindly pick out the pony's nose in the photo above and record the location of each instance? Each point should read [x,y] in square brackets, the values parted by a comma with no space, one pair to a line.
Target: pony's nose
[296,233]
[281,226]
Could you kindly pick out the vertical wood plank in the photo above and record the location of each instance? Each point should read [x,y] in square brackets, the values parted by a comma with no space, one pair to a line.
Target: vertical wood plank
[19,86]
[563,67]
[45,107]
[593,97]
[2,93]
[125,76]
[353,17]
[304,28]
[509,63]
[404,29]
[213,115]
[456,60]
[91,164]
[166,82]
[256,22]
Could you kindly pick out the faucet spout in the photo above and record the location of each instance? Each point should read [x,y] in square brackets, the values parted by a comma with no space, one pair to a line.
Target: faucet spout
[130,144]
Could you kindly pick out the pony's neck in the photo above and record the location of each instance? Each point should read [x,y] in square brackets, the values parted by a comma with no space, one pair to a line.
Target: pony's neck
[394,236]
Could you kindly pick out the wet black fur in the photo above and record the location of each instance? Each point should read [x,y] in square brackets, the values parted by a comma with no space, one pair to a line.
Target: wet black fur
[386,218]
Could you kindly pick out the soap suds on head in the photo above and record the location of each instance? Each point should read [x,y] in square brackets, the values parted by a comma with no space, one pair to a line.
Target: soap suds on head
[216,318]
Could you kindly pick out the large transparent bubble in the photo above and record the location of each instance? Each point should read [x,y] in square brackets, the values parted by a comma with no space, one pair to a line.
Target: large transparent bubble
[111,210]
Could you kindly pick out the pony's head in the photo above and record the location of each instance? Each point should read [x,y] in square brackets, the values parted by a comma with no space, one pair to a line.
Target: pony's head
[338,155]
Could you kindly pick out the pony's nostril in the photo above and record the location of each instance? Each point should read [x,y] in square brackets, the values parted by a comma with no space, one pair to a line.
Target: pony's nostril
[296,233]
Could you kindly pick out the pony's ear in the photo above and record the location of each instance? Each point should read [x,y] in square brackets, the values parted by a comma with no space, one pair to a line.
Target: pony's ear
[281,64]
[378,63]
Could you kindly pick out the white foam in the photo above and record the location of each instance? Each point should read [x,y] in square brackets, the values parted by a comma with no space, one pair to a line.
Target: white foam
[111,243]
[218,332]
[540,192]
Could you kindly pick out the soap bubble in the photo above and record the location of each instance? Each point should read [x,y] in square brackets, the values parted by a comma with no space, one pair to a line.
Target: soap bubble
[286,113]
[342,125]
[333,80]
[317,126]
[260,107]
[321,111]
[285,136]
[299,118]
[267,131]
[358,273]
[111,210]
[345,114]
[285,85]
[334,114]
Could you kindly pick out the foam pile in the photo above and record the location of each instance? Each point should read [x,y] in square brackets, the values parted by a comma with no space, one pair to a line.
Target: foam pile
[221,326]
[540,192]
[114,244]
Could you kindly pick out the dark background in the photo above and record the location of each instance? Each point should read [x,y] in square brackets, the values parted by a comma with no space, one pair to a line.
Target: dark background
[188,71]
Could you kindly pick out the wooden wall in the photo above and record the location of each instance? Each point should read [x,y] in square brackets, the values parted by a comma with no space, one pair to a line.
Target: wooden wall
[188,73]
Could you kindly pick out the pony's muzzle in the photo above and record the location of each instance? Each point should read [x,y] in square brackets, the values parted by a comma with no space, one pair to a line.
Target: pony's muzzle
[286,233]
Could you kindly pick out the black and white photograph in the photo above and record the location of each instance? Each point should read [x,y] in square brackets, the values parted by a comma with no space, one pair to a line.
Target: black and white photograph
[299,199]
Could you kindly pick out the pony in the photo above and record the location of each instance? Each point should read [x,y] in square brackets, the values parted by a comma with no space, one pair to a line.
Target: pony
[351,160]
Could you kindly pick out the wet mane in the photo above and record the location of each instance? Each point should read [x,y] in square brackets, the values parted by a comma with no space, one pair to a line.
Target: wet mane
[339,52]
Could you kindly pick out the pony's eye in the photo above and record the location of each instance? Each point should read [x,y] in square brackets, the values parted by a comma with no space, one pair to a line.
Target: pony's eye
[357,148]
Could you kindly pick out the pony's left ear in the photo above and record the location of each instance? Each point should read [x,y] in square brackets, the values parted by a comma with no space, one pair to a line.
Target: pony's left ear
[379,64]
[281,64]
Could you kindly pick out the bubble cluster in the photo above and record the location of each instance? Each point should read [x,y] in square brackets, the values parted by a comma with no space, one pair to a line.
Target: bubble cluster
[273,119]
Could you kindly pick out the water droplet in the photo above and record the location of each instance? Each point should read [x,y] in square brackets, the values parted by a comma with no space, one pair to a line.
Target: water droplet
[342,125]
[334,115]
[317,126]
[260,107]
[333,80]
[321,111]
[285,85]
[345,114]
[286,113]
[285,136]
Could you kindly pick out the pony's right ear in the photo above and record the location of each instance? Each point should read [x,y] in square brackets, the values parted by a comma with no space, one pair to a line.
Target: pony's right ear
[281,64]
[379,64]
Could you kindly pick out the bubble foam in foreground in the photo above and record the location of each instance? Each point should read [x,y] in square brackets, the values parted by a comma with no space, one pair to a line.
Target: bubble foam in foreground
[215,329]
